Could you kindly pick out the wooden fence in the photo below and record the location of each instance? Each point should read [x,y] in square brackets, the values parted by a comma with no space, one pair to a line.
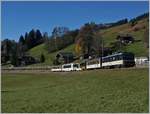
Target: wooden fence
[27,68]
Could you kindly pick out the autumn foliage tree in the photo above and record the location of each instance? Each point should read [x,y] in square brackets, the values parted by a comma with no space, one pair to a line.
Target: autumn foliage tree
[85,38]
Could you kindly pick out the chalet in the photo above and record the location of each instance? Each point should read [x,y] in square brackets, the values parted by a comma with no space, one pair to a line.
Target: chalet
[65,57]
[27,60]
[125,39]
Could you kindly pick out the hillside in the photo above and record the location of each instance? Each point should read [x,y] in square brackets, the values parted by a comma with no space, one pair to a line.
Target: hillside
[138,48]
[109,36]
[49,57]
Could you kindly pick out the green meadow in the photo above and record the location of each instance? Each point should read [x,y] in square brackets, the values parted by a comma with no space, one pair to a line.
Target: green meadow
[103,90]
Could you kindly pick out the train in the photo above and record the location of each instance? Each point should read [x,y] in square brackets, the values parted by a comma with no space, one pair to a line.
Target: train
[67,67]
[117,60]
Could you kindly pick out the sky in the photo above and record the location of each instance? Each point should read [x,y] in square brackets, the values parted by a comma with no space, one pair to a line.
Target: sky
[18,17]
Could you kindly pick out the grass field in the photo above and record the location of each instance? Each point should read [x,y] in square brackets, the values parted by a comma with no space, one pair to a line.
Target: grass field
[118,90]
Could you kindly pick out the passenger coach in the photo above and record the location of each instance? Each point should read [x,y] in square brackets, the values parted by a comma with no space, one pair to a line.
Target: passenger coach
[93,64]
[125,59]
[71,67]
[67,67]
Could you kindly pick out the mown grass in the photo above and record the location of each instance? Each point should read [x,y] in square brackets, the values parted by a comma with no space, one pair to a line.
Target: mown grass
[118,90]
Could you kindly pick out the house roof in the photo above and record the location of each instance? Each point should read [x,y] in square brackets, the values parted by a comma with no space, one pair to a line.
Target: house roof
[64,54]
[26,56]
[125,37]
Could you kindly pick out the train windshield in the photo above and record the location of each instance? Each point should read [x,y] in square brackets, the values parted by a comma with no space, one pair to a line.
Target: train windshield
[76,65]
[128,57]
[67,66]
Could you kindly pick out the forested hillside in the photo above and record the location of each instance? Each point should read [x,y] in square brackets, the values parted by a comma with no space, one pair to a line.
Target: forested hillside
[109,35]
[90,39]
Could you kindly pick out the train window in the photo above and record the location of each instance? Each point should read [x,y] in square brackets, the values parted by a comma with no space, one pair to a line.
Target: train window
[105,60]
[120,57]
[117,57]
[102,59]
[124,56]
[110,59]
[113,58]
[128,56]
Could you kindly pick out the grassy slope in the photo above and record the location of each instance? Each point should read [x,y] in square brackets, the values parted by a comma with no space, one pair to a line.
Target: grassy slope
[36,52]
[117,90]
[109,35]
[138,48]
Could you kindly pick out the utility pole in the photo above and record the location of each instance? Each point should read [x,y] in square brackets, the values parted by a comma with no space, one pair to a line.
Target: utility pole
[102,47]
[55,42]
[67,59]
[101,51]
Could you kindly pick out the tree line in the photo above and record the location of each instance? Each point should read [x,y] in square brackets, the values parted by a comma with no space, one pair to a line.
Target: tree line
[61,37]
[12,50]
[134,20]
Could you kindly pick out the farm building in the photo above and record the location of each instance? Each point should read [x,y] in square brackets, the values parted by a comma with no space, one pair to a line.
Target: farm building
[141,60]
[125,39]
[27,60]
[65,57]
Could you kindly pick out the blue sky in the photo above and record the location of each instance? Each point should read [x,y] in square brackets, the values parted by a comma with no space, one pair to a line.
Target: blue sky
[20,17]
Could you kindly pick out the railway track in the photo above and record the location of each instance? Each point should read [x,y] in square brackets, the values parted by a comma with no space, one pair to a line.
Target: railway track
[37,70]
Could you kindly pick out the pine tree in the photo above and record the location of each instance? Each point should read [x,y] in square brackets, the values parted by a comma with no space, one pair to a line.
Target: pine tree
[21,40]
[39,38]
[42,58]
